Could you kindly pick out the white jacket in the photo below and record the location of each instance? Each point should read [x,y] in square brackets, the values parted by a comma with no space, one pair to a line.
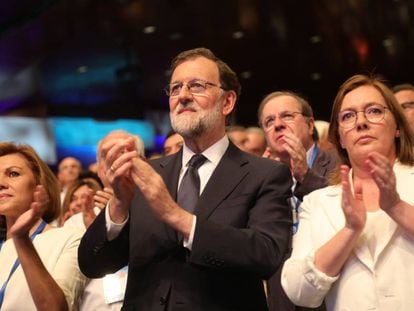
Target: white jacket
[383,282]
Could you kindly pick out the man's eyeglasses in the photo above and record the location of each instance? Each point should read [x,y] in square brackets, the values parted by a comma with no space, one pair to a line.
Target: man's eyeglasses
[196,87]
[373,113]
[286,116]
[407,105]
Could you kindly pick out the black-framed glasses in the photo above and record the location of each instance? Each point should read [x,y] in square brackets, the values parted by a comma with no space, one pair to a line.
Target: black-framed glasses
[373,113]
[286,116]
[196,87]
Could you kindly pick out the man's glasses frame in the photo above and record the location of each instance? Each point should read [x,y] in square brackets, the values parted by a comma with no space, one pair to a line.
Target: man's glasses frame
[286,116]
[195,87]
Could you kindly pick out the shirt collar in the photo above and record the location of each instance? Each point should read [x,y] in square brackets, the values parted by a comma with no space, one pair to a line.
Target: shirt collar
[214,153]
[309,153]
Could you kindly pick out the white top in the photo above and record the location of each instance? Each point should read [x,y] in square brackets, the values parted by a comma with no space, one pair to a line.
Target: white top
[77,219]
[58,250]
[95,297]
[378,275]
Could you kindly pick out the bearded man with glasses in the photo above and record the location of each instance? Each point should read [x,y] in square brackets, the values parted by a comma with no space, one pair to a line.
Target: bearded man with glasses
[213,251]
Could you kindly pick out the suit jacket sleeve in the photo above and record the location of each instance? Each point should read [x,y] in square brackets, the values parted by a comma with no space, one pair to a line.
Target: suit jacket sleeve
[96,255]
[259,246]
[317,176]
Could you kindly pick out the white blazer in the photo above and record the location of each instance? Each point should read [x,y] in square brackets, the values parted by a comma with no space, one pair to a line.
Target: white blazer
[384,281]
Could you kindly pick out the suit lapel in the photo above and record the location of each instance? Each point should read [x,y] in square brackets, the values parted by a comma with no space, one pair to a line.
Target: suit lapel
[169,169]
[322,161]
[229,172]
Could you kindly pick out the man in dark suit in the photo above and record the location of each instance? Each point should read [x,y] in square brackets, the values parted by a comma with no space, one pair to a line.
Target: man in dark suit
[214,256]
[287,120]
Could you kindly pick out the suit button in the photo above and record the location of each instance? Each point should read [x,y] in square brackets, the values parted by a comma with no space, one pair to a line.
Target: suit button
[163,301]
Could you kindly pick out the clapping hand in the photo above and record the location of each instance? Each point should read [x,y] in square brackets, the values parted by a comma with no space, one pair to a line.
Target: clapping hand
[352,203]
[28,219]
[382,172]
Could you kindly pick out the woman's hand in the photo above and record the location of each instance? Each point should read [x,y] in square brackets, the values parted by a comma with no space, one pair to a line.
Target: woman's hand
[101,198]
[87,208]
[28,219]
[383,174]
[352,203]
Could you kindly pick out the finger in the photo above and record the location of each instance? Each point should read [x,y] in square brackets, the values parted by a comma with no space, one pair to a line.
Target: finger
[108,191]
[103,195]
[292,139]
[267,153]
[113,153]
[124,158]
[101,200]
[36,211]
[346,189]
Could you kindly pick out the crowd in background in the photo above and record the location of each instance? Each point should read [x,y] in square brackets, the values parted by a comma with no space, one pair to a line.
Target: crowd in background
[336,178]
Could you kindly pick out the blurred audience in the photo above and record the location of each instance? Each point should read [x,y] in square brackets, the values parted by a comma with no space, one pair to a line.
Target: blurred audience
[173,143]
[256,141]
[93,167]
[237,135]
[79,199]
[404,93]
[69,169]
[322,128]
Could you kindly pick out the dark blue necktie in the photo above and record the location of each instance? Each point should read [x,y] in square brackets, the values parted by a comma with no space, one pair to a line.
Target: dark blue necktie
[189,190]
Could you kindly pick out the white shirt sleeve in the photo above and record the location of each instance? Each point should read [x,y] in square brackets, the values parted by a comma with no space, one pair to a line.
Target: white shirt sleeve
[113,229]
[188,243]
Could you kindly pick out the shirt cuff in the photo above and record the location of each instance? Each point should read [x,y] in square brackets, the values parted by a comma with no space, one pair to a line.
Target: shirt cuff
[188,243]
[318,279]
[113,229]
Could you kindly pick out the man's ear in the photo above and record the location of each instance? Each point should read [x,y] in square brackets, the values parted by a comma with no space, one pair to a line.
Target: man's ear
[397,133]
[311,123]
[229,102]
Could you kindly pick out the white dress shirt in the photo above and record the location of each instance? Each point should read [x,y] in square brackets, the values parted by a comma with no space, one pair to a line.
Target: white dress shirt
[213,155]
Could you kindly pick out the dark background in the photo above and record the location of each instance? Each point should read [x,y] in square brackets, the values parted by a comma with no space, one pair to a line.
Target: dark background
[109,59]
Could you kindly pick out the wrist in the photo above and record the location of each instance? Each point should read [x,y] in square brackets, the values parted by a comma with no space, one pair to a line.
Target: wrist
[179,219]
[300,175]
[117,211]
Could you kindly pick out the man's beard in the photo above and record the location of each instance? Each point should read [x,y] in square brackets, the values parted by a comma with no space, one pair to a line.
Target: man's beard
[195,124]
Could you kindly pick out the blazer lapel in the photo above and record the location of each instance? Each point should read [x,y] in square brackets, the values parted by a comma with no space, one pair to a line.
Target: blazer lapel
[169,169]
[322,161]
[334,215]
[337,219]
[405,178]
[229,172]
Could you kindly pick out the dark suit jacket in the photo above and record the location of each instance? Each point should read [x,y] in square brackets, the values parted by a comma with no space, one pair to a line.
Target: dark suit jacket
[315,178]
[241,237]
